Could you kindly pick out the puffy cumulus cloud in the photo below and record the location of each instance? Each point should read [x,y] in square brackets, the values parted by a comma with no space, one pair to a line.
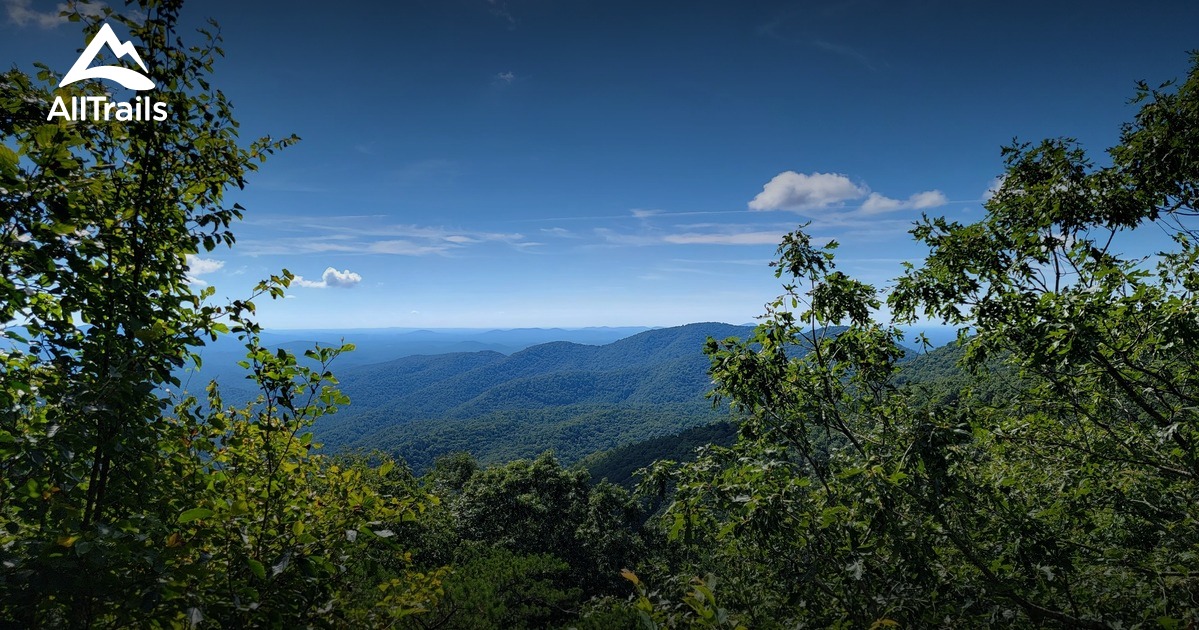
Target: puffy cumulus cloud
[927,199]
[799,191]
[810,193]
[197,267]
[332,278]
[335,278]
[877,204]
[200,266]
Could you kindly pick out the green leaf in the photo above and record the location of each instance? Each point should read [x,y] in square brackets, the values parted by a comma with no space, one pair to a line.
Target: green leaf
[8,161]
[194,514]
[44,135]
[256,568]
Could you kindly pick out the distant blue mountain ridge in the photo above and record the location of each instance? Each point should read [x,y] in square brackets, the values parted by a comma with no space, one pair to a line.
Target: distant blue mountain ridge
[648,384]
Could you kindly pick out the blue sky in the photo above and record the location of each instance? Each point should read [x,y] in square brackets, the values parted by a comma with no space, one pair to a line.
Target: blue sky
[505,163]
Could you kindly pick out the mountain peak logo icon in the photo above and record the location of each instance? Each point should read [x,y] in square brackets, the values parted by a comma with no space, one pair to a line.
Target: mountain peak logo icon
[130,79]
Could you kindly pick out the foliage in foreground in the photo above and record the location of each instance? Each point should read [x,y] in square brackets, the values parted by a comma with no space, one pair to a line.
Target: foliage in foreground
[121,503]
[1071,499]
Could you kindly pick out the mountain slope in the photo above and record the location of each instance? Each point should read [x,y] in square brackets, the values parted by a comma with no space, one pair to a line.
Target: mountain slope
[571,397]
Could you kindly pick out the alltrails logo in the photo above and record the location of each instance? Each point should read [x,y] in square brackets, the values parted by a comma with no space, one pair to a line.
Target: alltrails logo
[98,108]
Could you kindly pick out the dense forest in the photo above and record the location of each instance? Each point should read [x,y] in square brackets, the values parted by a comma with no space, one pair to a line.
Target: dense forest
[1042,473]
[573,399]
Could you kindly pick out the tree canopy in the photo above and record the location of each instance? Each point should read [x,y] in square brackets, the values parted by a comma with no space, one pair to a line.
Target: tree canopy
[122,502]
[1068,498]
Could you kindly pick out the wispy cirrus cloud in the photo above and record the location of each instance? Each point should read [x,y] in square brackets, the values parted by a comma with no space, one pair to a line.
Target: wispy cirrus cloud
[365,234]
[610,236]
[809,26]
[22,13]
[755,262]
[699,234]
[559,232]
[718,238]
[499,9]
[402,247]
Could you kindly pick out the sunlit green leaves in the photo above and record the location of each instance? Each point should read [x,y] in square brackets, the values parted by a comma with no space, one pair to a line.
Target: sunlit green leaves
[1051,481]
[194,514]
[116,509]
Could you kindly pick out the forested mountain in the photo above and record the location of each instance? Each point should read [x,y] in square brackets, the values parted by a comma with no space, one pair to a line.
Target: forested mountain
[933,377]
[572,398]
[220,356]
[1049,481]
[619,464]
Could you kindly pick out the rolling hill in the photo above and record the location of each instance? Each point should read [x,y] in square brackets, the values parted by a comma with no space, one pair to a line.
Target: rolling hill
[573,398]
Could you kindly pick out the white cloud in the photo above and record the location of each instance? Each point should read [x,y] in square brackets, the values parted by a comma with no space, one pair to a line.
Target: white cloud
[824,196]
[798,192]
[742,238]
[505,77]
[644,214]
[877,204]
[22,13]
[331,278]
[403,247]
[613,237]
[500,10]
[335,278]
[993,188]
[697,234]
[197,267]
[361,234]
[200,266]
[927,199]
